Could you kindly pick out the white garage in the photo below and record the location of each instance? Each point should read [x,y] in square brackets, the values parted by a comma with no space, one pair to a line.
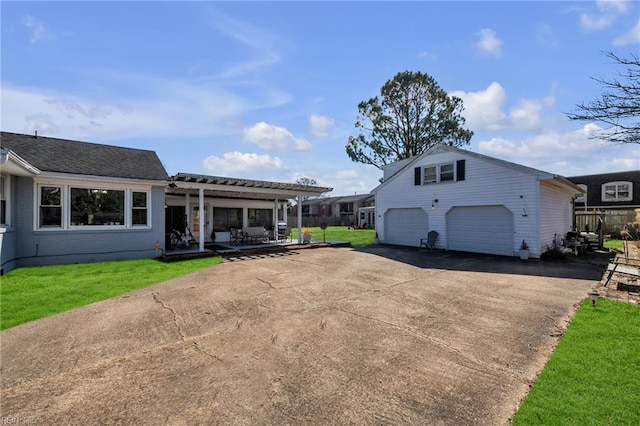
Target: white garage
[405,226]
[480,229]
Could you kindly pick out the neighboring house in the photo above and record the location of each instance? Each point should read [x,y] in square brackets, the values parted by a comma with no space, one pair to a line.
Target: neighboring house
[66,201]
[476,203]
[615,195]
[337,210]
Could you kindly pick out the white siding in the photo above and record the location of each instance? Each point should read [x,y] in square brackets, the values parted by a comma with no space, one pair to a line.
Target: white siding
[486,183]
[556,215]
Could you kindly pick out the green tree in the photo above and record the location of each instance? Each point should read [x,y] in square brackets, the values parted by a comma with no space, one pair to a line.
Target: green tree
[412,114]
[618,107]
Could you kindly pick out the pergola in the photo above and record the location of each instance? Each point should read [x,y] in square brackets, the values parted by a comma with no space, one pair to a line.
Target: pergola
[188,184]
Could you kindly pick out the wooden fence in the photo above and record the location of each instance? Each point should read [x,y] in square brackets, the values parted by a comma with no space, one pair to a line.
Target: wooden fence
[613,220]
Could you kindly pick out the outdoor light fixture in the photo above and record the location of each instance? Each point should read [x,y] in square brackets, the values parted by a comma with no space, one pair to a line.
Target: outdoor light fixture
[433,203]
[593,295]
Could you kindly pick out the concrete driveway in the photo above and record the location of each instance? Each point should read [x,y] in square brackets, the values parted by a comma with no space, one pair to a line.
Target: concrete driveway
[378,335]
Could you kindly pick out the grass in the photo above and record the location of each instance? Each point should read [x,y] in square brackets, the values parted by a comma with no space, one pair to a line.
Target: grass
[593,376]
[614,244]
[357,237]
[27,294]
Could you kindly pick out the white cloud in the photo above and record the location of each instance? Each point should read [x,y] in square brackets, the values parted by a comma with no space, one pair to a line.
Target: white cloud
[483,110]
[489,44]
[321,126]
[261,45]
[617,6]
[608,11]
[135,105]
[274,138]
[37,29]
[546,36]
[359,180]
[245,165]
[567,154]
[630,37]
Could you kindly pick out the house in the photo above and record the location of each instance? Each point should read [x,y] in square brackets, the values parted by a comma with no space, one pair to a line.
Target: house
[67,201]
[475,203]
[615,196]
[337,210]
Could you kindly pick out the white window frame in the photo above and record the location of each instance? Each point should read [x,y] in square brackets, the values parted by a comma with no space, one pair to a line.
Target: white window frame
[65,188]
[147,208]
[38,205]
[617,189]
[438,173]
[452,172]
[5,195]
[424,174]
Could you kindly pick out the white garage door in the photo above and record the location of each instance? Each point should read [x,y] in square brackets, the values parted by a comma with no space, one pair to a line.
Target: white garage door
[405,227]
[481,229]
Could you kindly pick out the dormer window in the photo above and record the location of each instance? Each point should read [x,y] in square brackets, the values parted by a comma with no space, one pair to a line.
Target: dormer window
[580,197]
[617,191]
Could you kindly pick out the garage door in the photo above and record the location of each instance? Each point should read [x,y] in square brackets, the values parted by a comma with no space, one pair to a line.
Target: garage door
[482,229]
[405,227]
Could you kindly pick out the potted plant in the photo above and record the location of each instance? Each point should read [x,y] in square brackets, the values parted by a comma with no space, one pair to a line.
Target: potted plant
[306,235]
[524,250]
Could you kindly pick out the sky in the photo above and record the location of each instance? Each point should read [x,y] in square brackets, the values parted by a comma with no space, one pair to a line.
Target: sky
[269,90]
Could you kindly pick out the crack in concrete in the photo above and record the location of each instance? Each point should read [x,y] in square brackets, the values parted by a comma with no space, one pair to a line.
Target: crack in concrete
[199,349]
[173,312]
[266,282]
[446,345]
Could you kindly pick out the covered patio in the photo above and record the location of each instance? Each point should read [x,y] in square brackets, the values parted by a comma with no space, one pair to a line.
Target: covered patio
[205,209]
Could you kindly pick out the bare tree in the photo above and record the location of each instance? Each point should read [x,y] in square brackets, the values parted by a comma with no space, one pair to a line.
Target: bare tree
[619,105]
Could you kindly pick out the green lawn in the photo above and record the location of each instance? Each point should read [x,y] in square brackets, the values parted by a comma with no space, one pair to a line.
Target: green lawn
[357,237]
[593,377]
[27,294]
[614,244]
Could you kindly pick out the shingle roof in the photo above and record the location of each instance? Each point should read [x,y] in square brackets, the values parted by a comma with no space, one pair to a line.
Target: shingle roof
[594,186]
[85,158]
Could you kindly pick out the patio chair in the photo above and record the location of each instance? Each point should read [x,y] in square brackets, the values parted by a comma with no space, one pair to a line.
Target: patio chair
[286,235]
[430,241]
[237,236]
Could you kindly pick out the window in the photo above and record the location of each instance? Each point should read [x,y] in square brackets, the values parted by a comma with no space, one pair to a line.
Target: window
[50,207]
[139,208]
[617,191]
[430,174]
[261,217]
[72,207]
[446,172]
[581,198]
[97,207]
[346,208]
[3,201]
[225,219]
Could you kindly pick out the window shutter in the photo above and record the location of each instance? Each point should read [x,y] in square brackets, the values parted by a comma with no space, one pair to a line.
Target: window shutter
[460,169]
[417,175]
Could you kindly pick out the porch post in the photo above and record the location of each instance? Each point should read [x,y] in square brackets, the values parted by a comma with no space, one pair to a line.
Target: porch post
[275,219]
[202,218]
[299,210]
[187,214]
